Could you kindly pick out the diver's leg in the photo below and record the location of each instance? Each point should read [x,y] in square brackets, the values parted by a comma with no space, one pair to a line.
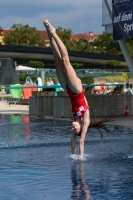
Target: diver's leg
[71,78]
[57,59]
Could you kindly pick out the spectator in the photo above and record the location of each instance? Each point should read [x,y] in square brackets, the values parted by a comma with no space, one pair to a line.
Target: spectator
[57,89]
[50,81]
[107,90]
[128,89]
[28,80]
[127,85]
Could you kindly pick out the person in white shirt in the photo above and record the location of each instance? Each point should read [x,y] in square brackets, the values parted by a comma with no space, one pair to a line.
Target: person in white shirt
[49,81]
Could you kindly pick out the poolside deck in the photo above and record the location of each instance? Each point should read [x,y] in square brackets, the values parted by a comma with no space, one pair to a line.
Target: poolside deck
[13,109]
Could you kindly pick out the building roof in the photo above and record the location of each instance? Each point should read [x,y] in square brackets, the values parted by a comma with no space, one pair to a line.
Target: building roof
[4,32]
[44,35]
[88,37]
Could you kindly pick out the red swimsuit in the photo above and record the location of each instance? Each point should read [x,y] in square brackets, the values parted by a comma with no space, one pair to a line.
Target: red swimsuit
[78,102]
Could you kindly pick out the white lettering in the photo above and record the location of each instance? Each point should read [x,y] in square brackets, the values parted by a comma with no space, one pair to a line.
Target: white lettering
[117,18]
[120,1]
[128,28]
[126,17]
[123,17]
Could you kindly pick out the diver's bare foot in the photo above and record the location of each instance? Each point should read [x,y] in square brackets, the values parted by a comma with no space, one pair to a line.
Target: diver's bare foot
[49,27]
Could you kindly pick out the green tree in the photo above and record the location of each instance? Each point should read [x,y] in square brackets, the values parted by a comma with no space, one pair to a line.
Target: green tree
[70,43]
[87,80]
[24,35]
[36,64]
[84,47]
[65,36]
[106,44]
[76,65]
[123,78]
[112,63]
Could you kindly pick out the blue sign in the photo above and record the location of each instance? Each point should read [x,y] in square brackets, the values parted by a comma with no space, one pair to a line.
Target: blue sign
[122,19]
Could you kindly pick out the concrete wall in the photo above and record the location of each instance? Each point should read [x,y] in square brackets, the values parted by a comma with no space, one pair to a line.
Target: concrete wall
[100,105]
[41,106]
[109,105]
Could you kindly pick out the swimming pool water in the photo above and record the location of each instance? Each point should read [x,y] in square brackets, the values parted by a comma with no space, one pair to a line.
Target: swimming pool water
[36,163]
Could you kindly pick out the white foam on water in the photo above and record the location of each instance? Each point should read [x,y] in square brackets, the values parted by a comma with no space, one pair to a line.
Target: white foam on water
[76,157]
[72,156]
[131,156]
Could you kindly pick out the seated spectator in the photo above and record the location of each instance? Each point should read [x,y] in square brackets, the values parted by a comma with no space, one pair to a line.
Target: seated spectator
[127,85]
[128,89]
[50,81]
[96,91]
[57,89]
[107,90]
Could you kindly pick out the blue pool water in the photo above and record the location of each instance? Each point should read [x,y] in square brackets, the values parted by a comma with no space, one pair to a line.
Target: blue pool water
[35,162]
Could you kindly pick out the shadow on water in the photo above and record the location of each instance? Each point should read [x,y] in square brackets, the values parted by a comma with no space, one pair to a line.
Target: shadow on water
[35,162]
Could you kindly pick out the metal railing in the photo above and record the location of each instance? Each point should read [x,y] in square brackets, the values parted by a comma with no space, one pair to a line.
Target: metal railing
[58,86]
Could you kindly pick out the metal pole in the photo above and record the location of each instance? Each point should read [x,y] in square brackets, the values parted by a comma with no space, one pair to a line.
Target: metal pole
[127,55]
[43,77]
[108,8]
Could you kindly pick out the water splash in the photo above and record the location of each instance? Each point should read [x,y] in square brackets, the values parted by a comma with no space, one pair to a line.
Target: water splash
[76,157]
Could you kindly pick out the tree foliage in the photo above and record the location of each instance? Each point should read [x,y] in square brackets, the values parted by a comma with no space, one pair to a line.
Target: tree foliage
[36,64]
[65,36]
[123,78]
[112,63]
[105,44]
[87,80]
[70,43]
[77,65]
[24,35]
